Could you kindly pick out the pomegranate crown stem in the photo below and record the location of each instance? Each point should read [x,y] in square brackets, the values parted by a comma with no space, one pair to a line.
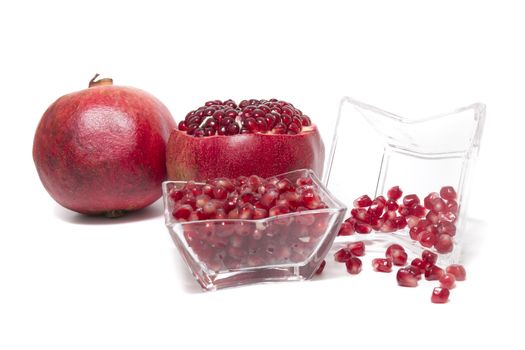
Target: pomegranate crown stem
[100,82]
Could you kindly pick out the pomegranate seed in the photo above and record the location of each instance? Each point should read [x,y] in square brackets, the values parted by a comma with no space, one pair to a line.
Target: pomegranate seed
[452,207]
[389,215]
[419,264]
[284,185]
[356,248]
[342,255]
[415,271]
[406,278]
[411,220]
[177,195]
[440,295]
[394,193]
[362,202]
[400,222]
[429,257]
[182,212]
[382,265]
[417,210]
[388,226]
[428,200]
[320,268]
[458,271]
[392,205]
[361,215]
[447,228]
[433,273]
[396,254]
[403,210]
[347,229]
[433,217]
[444,244]
[260,213]
[427,239]
[353,265]
[448,193]
[362,228]
[438,205]
[448,281]
[410,200]
[376,223]
[278,210]
[377,207]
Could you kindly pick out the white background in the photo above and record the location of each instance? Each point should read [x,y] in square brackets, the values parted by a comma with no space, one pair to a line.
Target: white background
[70,282]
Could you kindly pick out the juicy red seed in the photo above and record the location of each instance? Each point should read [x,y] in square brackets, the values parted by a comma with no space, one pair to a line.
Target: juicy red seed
[260,213]
[420,264]
[448,281]
[177,195]
[429,257]
[410,200]
[182,212]
[403,210]
[412,220]
[396,254]
[394,193]
[392,205]
[362,228]
[452,207]
[342,255]
[353,265]
[360,214]
[417,210]
[400,222]
[320,268]
[406,278]
[448,193]
[279,210]
[302,181]
[447,228]
[284,185]
[388,226]
[433,217]
[233,129]
[433,273]
[219,192]
[438,205]
[458,271]
[362,202]
[427,239]
[382,265]
[356,248]
[416,271]
[377,207]
[347,229]
[183,126]
[427,202]
[444,244]
[440,295]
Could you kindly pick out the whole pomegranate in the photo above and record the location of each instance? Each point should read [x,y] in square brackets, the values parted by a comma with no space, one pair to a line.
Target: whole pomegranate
[102,150]
[255,137]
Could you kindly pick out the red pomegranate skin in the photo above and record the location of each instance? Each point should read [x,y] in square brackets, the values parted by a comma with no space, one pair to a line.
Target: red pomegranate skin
[265,155]
[102,150]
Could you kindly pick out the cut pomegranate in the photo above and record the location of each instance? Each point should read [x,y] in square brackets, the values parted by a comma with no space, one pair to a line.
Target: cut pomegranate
[356,248]
[320,268]
[406,278]
[448,193]
[353,265]
[440,295]
[458,271]
[448,281]
[362,202]
[433,273]
[382,265]
[394,193]
[342,255]
[396,254]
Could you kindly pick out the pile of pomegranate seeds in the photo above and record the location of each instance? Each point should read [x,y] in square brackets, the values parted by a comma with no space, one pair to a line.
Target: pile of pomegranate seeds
[250,116]
[234,244]
[349,256]
[431,223]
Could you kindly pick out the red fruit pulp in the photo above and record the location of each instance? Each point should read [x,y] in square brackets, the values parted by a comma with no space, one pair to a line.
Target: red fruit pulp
[288,141]
[102,150]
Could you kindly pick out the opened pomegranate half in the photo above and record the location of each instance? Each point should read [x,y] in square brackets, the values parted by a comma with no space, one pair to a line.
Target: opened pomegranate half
[254,137]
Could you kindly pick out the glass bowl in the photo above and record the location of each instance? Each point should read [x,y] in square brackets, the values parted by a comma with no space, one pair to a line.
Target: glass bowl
[374,150]
[230,252]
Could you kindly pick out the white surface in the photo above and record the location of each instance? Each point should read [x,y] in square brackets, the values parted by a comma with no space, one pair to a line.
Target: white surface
[68,282]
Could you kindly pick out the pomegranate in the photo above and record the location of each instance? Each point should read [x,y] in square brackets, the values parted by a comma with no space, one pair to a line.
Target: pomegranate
[102,150]
[226,139]
[440,295]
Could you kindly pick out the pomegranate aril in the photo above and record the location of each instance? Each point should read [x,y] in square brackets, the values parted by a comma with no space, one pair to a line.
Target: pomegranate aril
[182,212]
[396,254]
[433,273]
[360,214]
[452,207]
[406,278]
[427,239]
[280,128]
[416,271]
[433,217]
[362,228]
[448,193]
[353,265]
[388,226]
[392,205]
[440,295]
[412,220]
[382,265]
[320,268]
[403,210]
[458,271]
[400,222]
[417,210]
[448,281]
[410,200]
[342,255]
[377,207]
[429,257]
[438,205]
[444,244]
[447,228]
[347,229]
[356,248]
[362,202]
[420,264]
[183,126]
[278,210]
[394,193]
